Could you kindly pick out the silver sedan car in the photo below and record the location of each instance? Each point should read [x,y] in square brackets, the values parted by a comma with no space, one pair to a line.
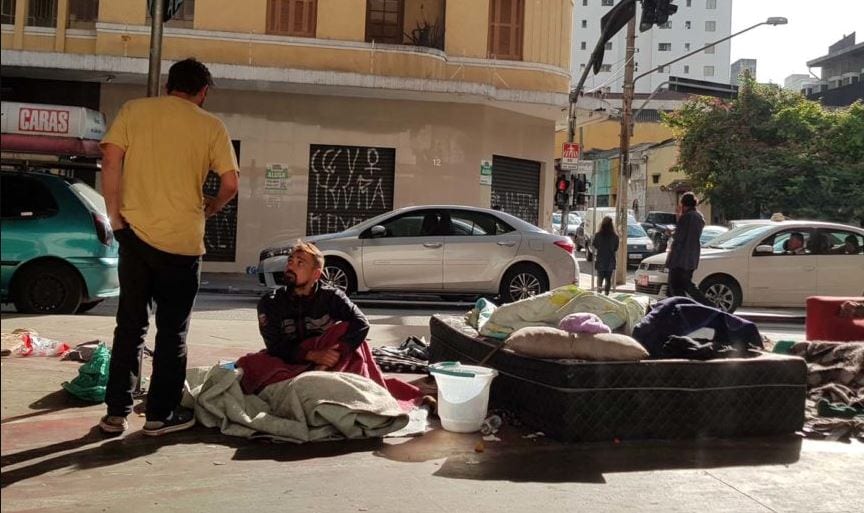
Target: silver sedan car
[445,250]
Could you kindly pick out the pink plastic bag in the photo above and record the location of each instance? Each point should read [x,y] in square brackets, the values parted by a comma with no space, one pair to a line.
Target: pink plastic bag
[32,345]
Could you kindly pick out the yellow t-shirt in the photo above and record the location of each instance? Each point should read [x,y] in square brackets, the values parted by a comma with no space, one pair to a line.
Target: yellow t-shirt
[170,145]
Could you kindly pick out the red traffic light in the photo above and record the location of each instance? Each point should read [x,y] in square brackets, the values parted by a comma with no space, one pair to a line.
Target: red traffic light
[563,184]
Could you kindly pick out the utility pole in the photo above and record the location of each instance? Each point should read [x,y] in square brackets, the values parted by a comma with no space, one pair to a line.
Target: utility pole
[157,19]
[624,160]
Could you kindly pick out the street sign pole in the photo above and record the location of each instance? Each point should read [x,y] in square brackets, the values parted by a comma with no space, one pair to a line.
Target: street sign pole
[157,19]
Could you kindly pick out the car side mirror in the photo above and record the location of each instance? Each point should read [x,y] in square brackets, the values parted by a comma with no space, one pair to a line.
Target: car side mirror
[378,231]
[765,249]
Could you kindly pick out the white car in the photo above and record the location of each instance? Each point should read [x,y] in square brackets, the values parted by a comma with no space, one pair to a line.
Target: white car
[750,265]
[447,250]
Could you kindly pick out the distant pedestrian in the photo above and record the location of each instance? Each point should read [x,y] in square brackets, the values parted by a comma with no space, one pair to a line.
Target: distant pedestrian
[683,257]
[605,244]
[156,157]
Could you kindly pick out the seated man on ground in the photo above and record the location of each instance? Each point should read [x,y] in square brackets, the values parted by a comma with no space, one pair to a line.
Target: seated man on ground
[309,325]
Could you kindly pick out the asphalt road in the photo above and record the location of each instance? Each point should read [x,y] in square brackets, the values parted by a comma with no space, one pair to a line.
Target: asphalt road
[237,307]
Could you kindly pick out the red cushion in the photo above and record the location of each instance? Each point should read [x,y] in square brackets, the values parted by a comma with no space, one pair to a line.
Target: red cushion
[823,321]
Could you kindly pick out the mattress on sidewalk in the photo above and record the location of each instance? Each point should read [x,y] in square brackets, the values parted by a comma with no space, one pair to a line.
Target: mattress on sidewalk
[576,400]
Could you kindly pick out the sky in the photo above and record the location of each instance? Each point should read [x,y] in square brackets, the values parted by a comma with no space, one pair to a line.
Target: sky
[780,51]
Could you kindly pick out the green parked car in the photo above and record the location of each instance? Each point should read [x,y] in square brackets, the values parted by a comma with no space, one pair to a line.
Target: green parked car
[59,255]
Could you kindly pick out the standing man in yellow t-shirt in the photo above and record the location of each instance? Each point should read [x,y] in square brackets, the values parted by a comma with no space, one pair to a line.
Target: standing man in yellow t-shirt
[155,159]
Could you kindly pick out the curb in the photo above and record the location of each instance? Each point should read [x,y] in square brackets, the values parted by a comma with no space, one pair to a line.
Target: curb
[233,290]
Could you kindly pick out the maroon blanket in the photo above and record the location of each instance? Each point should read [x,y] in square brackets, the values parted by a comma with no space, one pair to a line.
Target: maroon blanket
[261,369]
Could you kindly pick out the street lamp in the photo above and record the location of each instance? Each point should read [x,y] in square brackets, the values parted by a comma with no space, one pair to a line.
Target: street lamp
[774,21]
[626,127]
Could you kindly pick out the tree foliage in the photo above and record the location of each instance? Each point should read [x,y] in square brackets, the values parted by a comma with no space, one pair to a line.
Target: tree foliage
[770,150]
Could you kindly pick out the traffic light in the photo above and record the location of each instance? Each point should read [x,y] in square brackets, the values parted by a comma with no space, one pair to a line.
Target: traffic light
[562,184]
[656,12]
[581,199]
[562,191]
[610,24]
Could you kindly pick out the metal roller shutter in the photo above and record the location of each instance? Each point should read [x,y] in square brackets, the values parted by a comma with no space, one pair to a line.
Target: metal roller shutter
[347,185]
[516,187]
[220,231]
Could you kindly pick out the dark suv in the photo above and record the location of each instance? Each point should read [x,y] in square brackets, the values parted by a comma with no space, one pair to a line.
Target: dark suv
[659,226]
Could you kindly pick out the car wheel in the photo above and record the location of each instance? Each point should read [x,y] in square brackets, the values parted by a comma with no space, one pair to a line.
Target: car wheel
[338,274]
[523,281]
[86,307]
[47,288]
[723,292]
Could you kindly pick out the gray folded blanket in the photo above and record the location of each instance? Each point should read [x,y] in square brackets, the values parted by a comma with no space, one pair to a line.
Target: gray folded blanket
[314,406]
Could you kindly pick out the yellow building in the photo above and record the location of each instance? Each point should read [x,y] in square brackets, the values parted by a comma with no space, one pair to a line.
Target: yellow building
[340,109]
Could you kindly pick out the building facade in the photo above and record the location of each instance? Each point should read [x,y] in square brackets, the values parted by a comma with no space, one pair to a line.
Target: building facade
[339,109]
[800,83]
[696,23]
[842,74]
[740,66]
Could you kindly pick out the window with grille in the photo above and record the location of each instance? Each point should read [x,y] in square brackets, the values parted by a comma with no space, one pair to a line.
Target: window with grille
[384,21]
[686,69]
[709,71]
[686,46]
[42,13]
[506,19]
[710,26]
[83,14]
[584,23]
[297,18]
[185,18]
[7,12]
[584,45]
[710,4]
[667,25]
[709,49]
[661,69]
[664,47]
[607,3]
[687,25]
[606,67]
[608,45]
[689,2]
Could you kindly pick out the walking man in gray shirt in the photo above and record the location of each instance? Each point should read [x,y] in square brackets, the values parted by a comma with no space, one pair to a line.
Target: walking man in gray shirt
[683,257]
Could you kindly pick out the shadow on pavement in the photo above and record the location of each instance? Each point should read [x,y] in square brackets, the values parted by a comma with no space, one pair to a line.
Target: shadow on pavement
[520,459]
[113,451]
[55,401]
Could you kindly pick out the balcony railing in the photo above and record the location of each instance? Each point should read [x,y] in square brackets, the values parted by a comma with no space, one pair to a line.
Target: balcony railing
[83,14]
[406,22]
[42,13]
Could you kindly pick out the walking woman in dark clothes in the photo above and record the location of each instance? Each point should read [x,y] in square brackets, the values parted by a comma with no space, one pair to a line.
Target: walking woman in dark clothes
[606,245]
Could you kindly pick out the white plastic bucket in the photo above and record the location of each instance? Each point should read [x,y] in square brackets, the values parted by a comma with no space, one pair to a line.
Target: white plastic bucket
[463,395]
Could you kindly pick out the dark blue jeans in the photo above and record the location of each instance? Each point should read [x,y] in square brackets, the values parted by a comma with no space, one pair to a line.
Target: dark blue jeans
[605,279]
[681,284]
[151,278]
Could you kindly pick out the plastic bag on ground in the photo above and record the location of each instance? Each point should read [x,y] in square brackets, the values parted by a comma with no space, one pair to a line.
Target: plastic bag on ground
[34,345]
[92,379]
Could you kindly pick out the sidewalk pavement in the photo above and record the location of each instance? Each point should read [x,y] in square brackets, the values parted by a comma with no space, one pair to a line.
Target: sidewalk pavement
[55,460]
[247,284]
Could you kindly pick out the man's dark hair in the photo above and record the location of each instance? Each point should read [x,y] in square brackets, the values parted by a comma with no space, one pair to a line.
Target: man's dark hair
[688,199]
[797,235]
[188,76]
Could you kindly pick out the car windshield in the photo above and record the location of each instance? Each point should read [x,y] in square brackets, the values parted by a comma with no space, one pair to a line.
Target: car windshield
[737,237]
[660,218]
[634,230]
[571,218]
